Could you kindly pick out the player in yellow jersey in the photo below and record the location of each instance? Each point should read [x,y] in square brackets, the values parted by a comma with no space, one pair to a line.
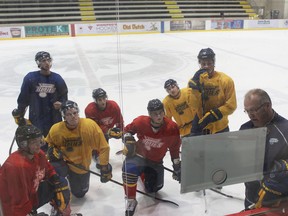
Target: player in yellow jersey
[217,93]
[71,143]
[181,105]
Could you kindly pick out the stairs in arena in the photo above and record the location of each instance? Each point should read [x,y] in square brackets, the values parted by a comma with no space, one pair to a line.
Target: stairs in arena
[27,12]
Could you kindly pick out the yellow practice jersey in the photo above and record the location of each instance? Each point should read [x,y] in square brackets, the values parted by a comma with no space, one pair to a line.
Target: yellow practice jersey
[77,144]
[182,109]
[219,92]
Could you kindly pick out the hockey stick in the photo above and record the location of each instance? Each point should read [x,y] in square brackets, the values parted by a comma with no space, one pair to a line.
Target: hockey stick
[14,138]
[226,195]
[214,190]
[116,182]
[121,152]
[11,146]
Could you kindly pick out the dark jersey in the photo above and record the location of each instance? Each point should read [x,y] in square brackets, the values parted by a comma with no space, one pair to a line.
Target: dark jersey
[39,92]
[276,141]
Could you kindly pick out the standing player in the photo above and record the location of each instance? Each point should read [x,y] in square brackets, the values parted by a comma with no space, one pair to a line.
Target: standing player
[43,91]
[72,141]
[156,135]
[107,114]
[217,96]
[180,104]
[28,180]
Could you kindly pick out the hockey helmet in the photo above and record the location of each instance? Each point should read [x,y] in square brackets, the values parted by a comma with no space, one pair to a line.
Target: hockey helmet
[25,133]
[41,56]
[154,105]
[99,92]
[206,53]
[68,105]
[169,83]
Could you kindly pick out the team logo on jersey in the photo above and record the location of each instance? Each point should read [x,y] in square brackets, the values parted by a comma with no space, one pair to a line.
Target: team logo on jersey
[45,88]
[272,141]
[107,121]
[152,143]
[210,90]
[181,107]
[69,143]
[39,176]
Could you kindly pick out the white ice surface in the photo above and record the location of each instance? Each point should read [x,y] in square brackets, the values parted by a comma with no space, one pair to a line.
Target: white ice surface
[133,69]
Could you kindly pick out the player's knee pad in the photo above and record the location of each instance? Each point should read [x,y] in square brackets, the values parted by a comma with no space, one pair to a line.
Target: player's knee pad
[151,180]
[130,173]
[79,192]
[60,167]
[130,168]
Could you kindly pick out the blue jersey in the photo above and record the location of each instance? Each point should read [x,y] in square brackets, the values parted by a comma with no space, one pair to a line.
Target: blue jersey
[39,92]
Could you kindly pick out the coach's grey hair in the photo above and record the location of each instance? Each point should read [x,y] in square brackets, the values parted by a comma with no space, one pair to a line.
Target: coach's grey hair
[263,95]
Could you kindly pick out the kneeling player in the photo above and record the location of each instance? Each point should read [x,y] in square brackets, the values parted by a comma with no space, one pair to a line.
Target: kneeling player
[28,180]
[156,135]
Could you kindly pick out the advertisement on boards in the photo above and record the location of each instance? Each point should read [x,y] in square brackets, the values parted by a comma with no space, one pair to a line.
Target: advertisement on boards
[135,27]
[112,28]
[12,32]
[46,30]
[227,24]
[183,25]
[283,23]
[95,28]
[252,24]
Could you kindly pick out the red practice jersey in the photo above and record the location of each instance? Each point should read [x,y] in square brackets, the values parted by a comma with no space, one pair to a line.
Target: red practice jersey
[108,118]
[153,146]
[19,181]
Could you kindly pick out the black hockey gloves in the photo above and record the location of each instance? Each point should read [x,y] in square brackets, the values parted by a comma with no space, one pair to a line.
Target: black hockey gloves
[106,173]
[62,192]
[177,169]
[274,185]
[54,154]
[194,83]
[196,130]
[130,145]
[19,118]
[114,133]
[211,116]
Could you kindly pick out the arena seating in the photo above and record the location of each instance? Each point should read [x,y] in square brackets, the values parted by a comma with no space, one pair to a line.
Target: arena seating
[26,12]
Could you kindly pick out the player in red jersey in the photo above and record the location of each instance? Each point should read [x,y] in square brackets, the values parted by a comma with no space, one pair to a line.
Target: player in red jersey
[107,114]
[28,180]
[156,135]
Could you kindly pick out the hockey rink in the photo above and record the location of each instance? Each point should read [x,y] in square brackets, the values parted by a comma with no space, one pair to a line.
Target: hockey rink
[133,69]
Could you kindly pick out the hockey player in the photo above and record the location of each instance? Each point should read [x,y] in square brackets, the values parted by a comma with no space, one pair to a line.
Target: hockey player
[217,96]
[71,143]
[156,135]
[180,104]
[43,91]
[107,114]
[273,188]
[28,180]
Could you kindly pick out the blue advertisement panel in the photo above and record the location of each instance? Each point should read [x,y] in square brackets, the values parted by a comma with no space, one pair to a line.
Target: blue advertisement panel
[49,30]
